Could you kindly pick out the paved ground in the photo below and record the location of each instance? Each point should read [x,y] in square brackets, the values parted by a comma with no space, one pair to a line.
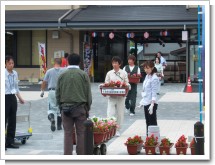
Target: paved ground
[177,113]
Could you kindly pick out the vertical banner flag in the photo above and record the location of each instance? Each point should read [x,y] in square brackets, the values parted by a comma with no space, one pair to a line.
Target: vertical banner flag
[88,59]
[42,59]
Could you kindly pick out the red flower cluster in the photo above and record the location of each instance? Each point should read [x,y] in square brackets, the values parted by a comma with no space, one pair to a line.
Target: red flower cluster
[134,75]
[181,142]
[115,84]
[165,142]
[133,141]
[151,141]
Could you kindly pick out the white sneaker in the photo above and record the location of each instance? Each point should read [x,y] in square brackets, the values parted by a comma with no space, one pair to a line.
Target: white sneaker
[131,114]
[117,133]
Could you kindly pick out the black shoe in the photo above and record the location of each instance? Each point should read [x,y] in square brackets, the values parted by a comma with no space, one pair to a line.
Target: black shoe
[59,121]
[53,128]
[11,146]
[51,119]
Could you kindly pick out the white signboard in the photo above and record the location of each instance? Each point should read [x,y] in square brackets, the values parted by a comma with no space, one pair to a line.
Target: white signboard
[113,91]
[184,35]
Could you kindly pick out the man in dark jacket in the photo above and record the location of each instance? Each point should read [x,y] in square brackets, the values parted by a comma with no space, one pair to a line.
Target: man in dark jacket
[74,97]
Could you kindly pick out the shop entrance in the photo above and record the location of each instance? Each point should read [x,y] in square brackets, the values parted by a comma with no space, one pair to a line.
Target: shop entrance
[171,46]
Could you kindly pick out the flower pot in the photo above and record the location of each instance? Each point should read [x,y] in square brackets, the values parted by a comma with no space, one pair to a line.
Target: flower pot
[114,131]
[192,150]
[165,150]
[181,150]
[98,137]
[133,79]
[133,149]
[150,150]
[105,136]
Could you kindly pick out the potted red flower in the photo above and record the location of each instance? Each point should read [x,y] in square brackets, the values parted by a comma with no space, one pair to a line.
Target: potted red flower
[114,88]
[165,146]
[134,145]
[150,144]
[192,146]
[181,146]
[134,78]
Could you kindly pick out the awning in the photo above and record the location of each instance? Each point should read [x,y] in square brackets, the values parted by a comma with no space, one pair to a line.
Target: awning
[105,17]
[28,19]
[133,17]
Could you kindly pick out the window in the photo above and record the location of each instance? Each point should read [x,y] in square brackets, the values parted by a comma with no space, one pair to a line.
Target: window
[23,46]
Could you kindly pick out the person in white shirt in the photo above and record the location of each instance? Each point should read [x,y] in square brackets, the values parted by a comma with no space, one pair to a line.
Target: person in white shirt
[131,69]
[116,103]
[11,94]
[163,63]
[149,94]
[160,74]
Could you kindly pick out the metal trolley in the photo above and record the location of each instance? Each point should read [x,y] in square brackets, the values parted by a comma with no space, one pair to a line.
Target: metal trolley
[23,116]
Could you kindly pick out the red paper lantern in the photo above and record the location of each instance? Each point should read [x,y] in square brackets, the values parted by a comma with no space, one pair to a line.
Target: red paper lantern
[146,35]
[111,35]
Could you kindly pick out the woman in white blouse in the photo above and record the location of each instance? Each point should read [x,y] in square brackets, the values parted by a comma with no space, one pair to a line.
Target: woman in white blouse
[149,94]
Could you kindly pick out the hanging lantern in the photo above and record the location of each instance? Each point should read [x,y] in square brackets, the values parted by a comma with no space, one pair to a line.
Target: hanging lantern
[146,35]
[94,34]
[132,35]
[165,33]
[128,35]
[111,35]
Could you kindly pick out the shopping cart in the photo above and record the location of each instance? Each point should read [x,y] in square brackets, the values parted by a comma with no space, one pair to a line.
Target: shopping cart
[23,116]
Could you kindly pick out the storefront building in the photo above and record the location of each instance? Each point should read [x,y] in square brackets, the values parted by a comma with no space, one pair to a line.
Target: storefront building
[103,32]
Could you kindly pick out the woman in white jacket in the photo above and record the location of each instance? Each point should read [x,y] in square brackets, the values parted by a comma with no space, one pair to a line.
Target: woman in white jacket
[149,94]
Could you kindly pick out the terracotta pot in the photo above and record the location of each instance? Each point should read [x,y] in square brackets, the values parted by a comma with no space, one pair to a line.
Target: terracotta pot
[192,150]
[98,137]
[114,131]
[181,150]
[150,150]
[105,136]
[133,149]
[133,79]
[165,150]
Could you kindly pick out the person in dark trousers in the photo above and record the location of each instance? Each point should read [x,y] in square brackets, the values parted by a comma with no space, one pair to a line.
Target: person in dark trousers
[149,94]
[131,69]
[73,94]
[11,92]
[50,78]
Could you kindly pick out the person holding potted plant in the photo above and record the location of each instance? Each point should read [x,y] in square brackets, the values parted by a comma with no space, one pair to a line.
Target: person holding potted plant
[132,70]
[149,94]
[116,103]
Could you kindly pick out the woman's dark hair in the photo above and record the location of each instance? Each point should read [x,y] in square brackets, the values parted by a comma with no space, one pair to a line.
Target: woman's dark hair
[132,57]
[8,58]
[74,59]
[159,59]
[160,53]
[150,64]
[66,55]
[116,59]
